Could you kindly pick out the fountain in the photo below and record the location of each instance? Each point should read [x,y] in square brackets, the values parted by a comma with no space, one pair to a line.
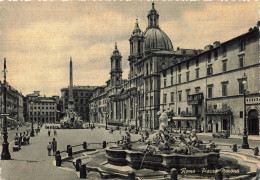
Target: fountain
[164,151]
[71,120]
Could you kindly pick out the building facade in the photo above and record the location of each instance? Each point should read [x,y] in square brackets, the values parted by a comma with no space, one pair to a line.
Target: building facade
[41,109]
[206,91]
[81,96]
[200,89]
[14,101]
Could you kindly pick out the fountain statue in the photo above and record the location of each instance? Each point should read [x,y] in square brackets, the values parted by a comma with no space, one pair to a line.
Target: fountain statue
[163,150]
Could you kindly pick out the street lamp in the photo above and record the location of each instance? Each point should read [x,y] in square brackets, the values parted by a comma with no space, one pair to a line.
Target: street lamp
[5,146]
[245,144]
[136,130]
[32,131]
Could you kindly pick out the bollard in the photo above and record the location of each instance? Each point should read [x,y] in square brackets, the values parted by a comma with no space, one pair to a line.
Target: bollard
[70,151]
[85,145]
[234,148]
[174,174]
[131,176]
[104,144]
[218,175]
[78,164]
[68,148]
[258,172]
[256,151]
[58,158]
[83,171]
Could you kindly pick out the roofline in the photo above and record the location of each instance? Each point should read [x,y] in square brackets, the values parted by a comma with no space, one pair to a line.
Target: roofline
[204,52]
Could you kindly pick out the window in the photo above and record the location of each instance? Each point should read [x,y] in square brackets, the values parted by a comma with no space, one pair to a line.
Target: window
[187,76]
[197,62]
[179,78]
[241,114]
[187,93]
[164,82]
[164,98]
[179,68]
[224,88]
[151,66]
[187,65]
[164,73]
[224,51]
[209,57]
[147,70]
[139,47]
[187,110]
[224,65]
[197,73]
[172,97]
[209,70]
[242,44]
[216,54]
[210,88]
[171,70]
[171,80]
[179,110]
[241,61]
[197,90]
[241,87]
[151,100]
[151,84]
[180,96]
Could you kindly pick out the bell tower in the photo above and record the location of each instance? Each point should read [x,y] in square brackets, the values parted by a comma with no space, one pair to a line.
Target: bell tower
[136,47]
[116,68]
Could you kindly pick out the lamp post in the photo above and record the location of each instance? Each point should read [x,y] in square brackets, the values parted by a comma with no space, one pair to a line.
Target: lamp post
[5,146]
[32,130]
[245,144]
[107,115]
[136,130]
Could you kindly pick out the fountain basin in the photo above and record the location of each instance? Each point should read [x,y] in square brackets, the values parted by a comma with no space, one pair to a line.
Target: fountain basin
[165,162]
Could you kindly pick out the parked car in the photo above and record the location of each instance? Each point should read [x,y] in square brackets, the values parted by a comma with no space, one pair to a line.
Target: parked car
[221,134]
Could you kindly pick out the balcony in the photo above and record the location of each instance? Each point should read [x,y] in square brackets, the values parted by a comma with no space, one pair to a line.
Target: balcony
[220,111]
[195,98]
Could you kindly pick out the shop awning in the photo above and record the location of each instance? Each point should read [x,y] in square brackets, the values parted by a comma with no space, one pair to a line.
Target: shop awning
[183,119]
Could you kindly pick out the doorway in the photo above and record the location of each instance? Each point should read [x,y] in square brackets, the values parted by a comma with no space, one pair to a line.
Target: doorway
[253,122]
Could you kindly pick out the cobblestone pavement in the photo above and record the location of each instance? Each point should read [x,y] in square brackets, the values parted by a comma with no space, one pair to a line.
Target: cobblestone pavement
[33,163]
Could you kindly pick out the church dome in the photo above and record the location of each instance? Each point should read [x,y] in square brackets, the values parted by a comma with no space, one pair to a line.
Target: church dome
[155,38]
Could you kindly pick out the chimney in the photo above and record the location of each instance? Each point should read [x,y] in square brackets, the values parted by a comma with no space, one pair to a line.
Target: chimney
[208,47]
[216,44]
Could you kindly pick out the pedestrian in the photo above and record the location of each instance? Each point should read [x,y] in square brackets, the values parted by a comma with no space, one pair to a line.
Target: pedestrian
[49,132]
[55,132]
[24,139]
[54,146]
[28,138]
[49,146]
[16,139]
[20,139]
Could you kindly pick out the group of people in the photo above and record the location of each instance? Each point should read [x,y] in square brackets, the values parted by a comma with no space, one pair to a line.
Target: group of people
[54,132]
[23,139]
[52,146]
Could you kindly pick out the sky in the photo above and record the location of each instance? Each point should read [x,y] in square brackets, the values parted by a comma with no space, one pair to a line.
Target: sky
[38,38]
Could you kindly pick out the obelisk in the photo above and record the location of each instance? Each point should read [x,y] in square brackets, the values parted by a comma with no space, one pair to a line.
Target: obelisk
[71,101]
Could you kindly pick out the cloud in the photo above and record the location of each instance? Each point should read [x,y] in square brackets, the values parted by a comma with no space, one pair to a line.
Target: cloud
[216,22]
[39,38]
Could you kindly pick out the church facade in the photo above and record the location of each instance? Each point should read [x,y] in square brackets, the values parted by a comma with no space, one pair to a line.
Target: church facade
[181,82]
